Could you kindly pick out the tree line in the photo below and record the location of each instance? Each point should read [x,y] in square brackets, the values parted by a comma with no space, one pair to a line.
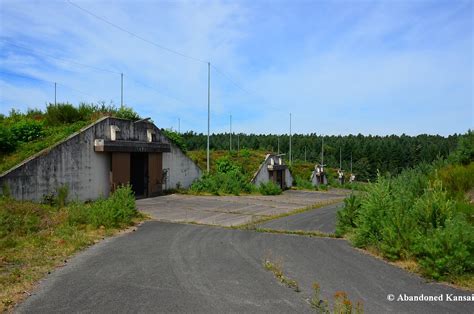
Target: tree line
[387,154]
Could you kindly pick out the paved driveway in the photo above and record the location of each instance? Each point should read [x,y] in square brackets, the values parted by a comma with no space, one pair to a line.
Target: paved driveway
[320,219]
[164,267]
[230,210]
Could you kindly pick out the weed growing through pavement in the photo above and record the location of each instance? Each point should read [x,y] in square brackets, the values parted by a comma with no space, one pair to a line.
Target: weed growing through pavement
[276,267]
[342,303]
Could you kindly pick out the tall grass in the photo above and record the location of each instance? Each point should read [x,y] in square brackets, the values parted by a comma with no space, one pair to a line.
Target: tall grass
[34,238]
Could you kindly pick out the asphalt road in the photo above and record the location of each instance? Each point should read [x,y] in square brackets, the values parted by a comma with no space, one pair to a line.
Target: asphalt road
[320,219]
[165,267]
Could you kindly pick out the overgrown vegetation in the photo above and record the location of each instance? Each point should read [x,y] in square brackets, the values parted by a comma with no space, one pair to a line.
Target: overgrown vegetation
[228,178]
[176,138]
[422,214]
[341,302]
[341,305]
[276,267]
[24,134]
[269,188]
[34,238]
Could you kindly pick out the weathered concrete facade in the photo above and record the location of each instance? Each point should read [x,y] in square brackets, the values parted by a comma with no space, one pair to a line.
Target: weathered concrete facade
[318,176]
[273,169]
[98,158]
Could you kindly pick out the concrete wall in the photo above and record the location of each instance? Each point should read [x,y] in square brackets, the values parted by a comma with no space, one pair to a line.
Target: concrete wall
[180,169]
[73,162]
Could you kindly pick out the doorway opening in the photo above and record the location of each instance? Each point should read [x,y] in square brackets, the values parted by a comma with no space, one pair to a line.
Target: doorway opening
[139,174]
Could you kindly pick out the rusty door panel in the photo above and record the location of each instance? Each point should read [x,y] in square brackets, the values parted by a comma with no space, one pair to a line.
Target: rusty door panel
[120,169]
[155,173]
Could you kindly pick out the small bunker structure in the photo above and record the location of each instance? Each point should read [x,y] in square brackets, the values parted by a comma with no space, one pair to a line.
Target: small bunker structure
[273,169]
[318,176]
[102,156]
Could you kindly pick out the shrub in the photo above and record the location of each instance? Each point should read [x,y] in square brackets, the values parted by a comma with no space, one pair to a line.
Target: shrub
[7,140]
[244,153]
[346,217]
[447,250]
[223,183]
[125,112]
[225,165]
[27,130]
[117,210]
[176,138]
[457,179]
[411,216]
[303,184]
[269,188]
[62,114]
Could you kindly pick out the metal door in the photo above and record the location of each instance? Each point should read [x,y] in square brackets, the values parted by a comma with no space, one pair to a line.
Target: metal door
[155,173]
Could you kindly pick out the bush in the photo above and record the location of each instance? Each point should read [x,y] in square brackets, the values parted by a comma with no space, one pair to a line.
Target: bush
[457,179]
[346,217]
[303,184]
[447,250]
[27,130]
[269,188]
[118,209]
[175,138]
[229,179]
[413,216]
[223,183]
[62,114]
[125,112]
[7,140]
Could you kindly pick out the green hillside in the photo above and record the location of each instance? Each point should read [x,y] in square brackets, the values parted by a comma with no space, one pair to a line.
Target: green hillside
[25,134]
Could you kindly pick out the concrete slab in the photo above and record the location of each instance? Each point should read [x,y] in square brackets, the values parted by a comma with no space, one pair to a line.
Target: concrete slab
[230,210]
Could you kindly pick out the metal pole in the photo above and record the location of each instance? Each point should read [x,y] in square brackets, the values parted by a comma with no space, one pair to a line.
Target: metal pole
[55,93]
[230,134]
[121,89]
[290,139]
[208,109]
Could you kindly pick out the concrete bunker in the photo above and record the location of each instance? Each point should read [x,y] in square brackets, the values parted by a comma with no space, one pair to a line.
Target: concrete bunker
[318,176]
[275,170]
[102,156]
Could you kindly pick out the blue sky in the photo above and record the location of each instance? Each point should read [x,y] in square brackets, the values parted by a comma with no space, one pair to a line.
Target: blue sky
[340,67]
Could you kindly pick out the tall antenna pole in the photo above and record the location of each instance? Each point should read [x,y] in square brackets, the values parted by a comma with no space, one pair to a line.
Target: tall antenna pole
[230,134]
[121,89]
[290,138]
[208,109]
[55,93]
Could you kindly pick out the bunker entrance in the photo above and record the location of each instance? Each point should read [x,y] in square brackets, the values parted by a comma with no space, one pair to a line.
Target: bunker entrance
[139,174]
[278,177]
